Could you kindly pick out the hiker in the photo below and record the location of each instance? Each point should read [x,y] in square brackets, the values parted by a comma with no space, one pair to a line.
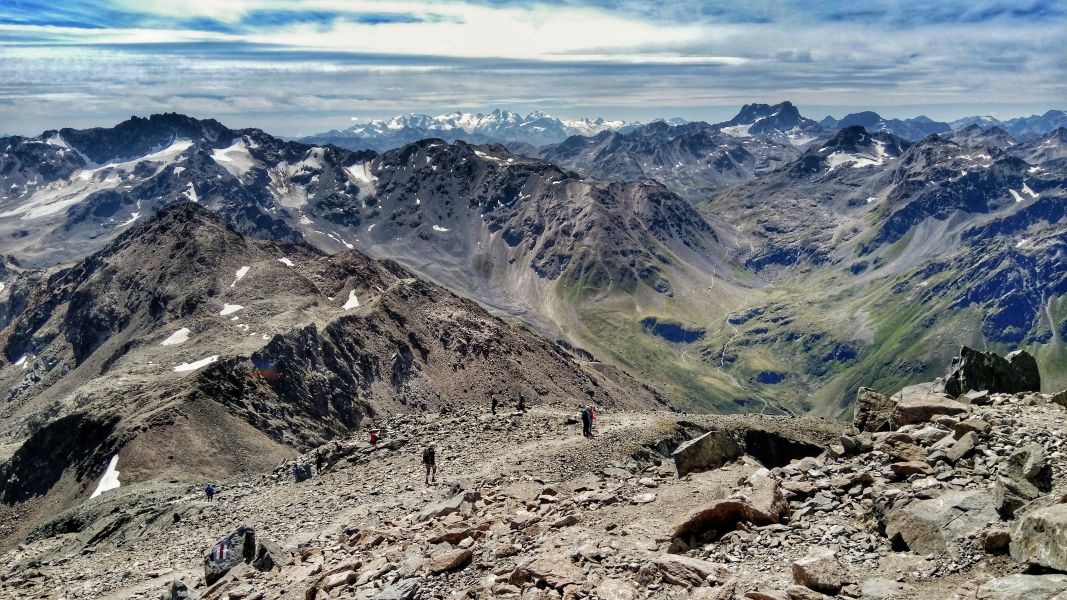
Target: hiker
[587,422]
[494,404]
[209,491]
[592,418]
[373,437]
[430,460]
[522,403]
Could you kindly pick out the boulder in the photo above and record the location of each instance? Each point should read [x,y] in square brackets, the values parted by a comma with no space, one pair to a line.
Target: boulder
[799,592]
[933,526]
[962,448]
[717,518]
[556,571]
[820,571]
[1016,587]
[975,370]
[447,562]
[975,424]
[180,591]
[995,540]
[268,556]
[1028,464]
[683,570]
[1059,398]
[405,589]
[1040,538]
[709,451]
[911,467]
[873,411]
[899,446]
[766,496]
[1009,495]
[920,408]
[232,550]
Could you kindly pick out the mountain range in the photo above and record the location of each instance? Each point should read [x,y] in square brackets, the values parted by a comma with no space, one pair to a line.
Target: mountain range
[612,253]
[172,283]
[498,126]
[780,122]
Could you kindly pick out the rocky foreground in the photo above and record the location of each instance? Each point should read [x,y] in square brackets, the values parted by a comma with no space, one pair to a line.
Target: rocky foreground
[924,496]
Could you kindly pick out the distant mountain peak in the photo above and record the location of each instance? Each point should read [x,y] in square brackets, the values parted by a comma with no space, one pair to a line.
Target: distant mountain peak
[497,126]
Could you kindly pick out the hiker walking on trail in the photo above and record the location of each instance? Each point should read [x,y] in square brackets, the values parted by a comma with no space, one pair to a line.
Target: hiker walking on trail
[429,459]
[522,403]
[592,418]
[209,491]
[587,421]
[494,404]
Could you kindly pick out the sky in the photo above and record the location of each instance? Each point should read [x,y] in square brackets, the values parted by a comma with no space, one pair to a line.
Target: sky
[297,67]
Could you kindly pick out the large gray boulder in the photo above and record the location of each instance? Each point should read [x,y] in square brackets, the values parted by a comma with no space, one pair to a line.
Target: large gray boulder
[873,411]
[405,589]
[1040,538]
[1017,587]
[936,525]
[975,370]
[709,451]
[225,554]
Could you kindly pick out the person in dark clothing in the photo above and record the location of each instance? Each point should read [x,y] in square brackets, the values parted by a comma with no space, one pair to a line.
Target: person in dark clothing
[587,422]
[209,491]
[522,403]
[494,404]
[429,459]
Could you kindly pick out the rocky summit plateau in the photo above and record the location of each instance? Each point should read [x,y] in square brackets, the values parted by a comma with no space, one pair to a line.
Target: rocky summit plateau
[922,495]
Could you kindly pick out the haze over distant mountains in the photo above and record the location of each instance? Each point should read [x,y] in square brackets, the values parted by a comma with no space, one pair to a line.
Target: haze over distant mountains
[536,129]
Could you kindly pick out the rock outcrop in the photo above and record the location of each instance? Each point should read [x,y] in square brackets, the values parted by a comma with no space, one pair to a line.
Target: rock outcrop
[974,370]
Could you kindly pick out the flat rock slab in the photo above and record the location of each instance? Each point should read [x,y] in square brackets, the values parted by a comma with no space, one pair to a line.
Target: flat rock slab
[1016,587]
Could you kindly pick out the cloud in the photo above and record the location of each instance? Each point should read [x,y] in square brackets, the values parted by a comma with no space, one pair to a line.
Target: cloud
[302,64]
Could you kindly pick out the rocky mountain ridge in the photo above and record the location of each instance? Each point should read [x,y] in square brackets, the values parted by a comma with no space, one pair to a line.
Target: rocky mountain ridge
[190,350]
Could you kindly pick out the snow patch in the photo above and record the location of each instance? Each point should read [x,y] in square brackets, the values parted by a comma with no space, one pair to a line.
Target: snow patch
[24,361]
[871,199]
[178,337]
[229,309]
[239,275]
[191,193]
[285,261]
[203,362]
[133,217]
[110,480]
[439,228]
[738,130]
[352,302]
[61,194]
[1016,195]
[235,158]
[1029,192]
